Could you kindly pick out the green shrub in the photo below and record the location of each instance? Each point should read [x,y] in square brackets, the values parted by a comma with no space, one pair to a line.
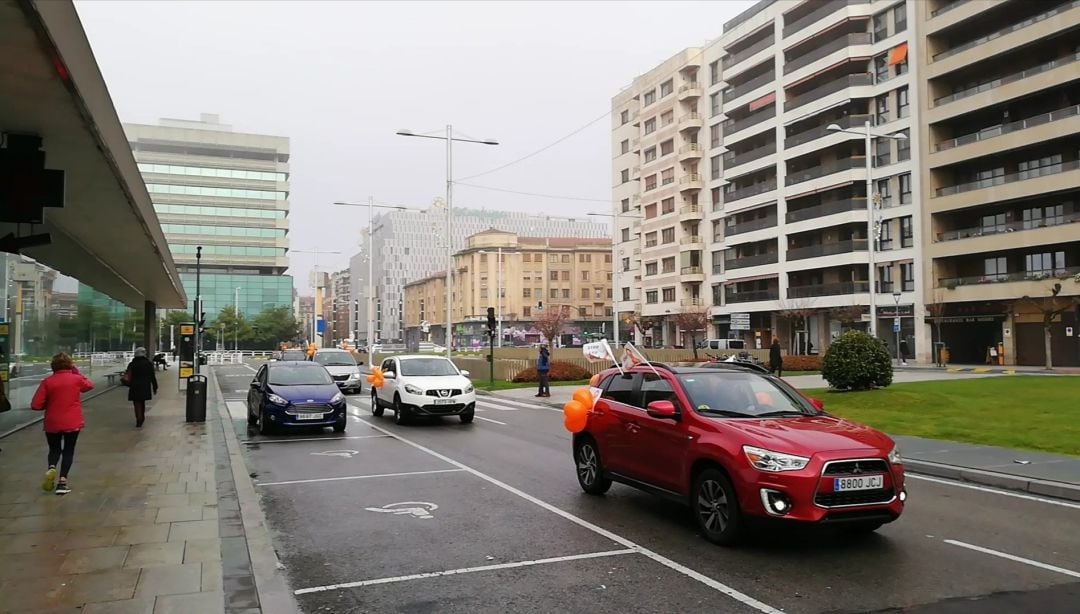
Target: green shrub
[560,372]
[857,361]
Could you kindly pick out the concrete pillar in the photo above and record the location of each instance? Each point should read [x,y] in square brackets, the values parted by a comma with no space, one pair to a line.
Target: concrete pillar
[150,325]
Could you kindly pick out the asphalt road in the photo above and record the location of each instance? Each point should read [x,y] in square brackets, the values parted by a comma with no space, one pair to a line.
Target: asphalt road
[488,517]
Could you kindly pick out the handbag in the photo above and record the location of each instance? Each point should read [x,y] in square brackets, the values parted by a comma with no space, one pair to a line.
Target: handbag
[125,379]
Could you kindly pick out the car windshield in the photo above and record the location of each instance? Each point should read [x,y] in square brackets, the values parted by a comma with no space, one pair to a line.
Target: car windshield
[335,359]
[299,375]
[426,367]
[742,395]
[293,355]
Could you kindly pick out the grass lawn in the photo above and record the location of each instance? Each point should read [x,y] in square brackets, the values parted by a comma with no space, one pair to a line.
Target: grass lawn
[1022,412]
[502,385]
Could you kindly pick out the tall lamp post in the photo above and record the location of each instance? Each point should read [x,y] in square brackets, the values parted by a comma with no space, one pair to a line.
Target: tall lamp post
[449,138]
[198,306]
[615,272]
[873,226]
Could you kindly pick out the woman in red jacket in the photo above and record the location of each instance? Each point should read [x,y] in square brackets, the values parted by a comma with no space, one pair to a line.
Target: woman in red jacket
[59,397]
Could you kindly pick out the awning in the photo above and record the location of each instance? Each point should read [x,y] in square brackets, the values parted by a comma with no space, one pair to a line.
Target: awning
[765,100]
[898,54]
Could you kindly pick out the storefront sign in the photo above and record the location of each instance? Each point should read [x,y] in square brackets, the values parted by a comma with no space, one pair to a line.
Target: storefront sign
[891,311]
[970,319]
[740,321]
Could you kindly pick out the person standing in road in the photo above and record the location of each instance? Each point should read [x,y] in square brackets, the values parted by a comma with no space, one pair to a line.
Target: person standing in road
[59,396]
[776,359]
[543,367]
[142,383]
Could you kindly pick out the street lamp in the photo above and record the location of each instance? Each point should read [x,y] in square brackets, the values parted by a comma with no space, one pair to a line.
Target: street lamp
[499,292]
[896,327]
[615,264]
[873,230]
[449,138]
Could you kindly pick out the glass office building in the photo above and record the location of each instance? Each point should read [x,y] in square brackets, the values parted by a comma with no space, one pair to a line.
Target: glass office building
[229,193]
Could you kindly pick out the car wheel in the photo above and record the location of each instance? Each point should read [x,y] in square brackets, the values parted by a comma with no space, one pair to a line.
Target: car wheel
[716,507]
[264,423]
[468,416]
[340,427]
[590,471]
[400,413]
[251,419]
[860,528]
[376,409]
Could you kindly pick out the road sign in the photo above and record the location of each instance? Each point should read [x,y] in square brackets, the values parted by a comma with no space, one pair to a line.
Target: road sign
[896,326]
[740,321]
[865,317]
[1068,331]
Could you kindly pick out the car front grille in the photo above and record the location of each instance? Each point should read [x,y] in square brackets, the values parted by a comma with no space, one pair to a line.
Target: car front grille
[856,467]
[340,378]
[444,409]
[309,407]
[440,392]
[856,497]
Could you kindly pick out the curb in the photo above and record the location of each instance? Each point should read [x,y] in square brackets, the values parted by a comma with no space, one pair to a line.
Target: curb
[1046,488]
[96,394]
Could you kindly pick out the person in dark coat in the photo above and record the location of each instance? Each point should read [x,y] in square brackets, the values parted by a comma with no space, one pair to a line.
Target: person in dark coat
[543,367]
[142,383]
[776,360]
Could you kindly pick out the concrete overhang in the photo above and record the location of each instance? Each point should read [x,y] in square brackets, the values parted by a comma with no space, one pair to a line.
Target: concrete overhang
[107,234]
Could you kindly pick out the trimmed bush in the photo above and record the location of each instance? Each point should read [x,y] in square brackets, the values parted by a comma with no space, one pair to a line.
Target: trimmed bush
[560,372]
[857,361]
[802,362]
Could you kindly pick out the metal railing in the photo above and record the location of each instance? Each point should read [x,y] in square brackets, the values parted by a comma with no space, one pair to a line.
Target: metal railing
[833,46]
[743,54]
[827,249]
[745,88]
[752,297]
[986,86]
[690,87]
[1020,25]
[850,121]
[1000,129]
[732,159]
[690,179]
[1057,273]
[846,287]
[830,208]
[692,302]
[751,226]
[691,240]
[692,270]
[742,262]
[692,118]
[1019,225]
[690,148]
[826,9]
[1034,173]
[948,7]
[825,169]
[691,210]
[750,190]
[829,88]
[731,126]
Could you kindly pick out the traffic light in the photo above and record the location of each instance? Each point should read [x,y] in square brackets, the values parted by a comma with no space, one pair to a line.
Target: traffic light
[491,323]
[539,305]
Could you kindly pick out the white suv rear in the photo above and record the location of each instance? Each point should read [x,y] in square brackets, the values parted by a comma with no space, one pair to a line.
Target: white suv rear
[424,386]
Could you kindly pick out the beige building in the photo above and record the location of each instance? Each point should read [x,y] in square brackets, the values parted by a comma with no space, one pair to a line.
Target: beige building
[535,274]
[1002,166]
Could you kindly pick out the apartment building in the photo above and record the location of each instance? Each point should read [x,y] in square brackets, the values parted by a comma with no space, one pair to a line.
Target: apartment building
[1002,163]
[533,275]
[773,215]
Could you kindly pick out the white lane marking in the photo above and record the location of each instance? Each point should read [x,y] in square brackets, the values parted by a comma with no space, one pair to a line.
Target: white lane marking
[454,572]
[1013,557]
[1015,495]
[358,477]
[666,562]
[523,404]
[489,420]
[488,405]
[252,442]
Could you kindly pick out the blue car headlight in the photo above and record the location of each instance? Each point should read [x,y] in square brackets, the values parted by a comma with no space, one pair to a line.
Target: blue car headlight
[337,398]
[276,400]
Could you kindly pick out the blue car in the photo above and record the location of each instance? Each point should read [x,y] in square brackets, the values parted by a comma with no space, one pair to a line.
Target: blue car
[286,394]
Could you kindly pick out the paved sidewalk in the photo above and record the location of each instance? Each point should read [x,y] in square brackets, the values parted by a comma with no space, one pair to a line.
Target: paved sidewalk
[144,529]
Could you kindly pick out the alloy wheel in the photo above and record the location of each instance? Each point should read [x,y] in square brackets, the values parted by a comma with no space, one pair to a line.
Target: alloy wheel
[712,506]
[587,465]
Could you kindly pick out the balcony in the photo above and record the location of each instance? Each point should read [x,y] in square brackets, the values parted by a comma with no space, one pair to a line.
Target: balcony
[692,274]
[837,289]
[950,283]
[982,40]
[827,249]
[831,208]
[823,11]
[817,132]
[752,296]
[1000,81]
[691,121]
[743,262]
[691,182]
[731,159]
[744,54]
[814,172]
[751,226]
[635,145]
[829,88]
[691,242]
[691,211]
[948,7]
[750,190]
[1042,171]
[745,88]
[731,126]
[690,90]
[810,57]
[692,303]
[1002,129]
[651,244]
[690,151]
[1020,225]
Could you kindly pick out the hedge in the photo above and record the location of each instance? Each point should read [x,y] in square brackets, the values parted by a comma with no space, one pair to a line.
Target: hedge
[560,372]
[802,363]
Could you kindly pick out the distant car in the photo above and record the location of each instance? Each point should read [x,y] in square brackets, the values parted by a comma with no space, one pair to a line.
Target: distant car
[424,386]
[290,394]
[342,367]
[291,355]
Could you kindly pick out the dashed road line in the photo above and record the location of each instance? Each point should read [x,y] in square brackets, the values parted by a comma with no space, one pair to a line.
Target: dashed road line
[1013,557]
[1015,495]
[489,420]
[358,477]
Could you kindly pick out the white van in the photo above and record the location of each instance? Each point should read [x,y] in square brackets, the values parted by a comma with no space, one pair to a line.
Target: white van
[723,344]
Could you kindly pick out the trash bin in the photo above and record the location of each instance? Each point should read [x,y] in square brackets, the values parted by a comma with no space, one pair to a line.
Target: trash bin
[196,398]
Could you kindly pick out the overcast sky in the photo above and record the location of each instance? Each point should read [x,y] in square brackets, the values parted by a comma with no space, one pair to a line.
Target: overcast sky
[339,78]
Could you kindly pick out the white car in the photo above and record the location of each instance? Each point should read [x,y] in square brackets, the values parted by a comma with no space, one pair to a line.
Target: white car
[424,386]
[342,367]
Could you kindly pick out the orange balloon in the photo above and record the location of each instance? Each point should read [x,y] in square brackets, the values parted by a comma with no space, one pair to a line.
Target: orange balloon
[594,381]
[583,396]
[575,408]
[575,424]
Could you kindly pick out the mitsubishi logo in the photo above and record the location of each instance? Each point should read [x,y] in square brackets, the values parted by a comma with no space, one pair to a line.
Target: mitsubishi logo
[444,393]
[856,469]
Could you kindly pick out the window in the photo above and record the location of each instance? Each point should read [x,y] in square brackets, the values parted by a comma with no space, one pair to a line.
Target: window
[669,295]
[885,240]
[881,26]
[625,264]
[656,388]
[553,275]
[901,67]
[882,152]
[483,292]
[583,312]
[1038,167]
[553,258]
[714,136]
[624,117]
[993,223]
[565,258]
[651,297]
[667,147]
[905,188]
[714,104]
[626,294]
[650,154]
[624,147]
[620,389]
[666,88]
[995,269]
[625,205]
[584,276]
[650,239]
[566,293]
[717,231]
[669,265]
[903,146]
[881,68]
[625,235]
[584,258]
[650,268]
[714,72]
[882,109]
[667,118]
[900,17]
[667,206]
[584,293]
[667,235]
[650,125]
[907,232]
[649,98]
[650,182]
[554,293]
[625,176]
[907,274]
[884,195]
[565,275]
[650,211]
[667,176]
[714,166]
[1045,264]
[885,278]
[1037,217]
[903,108]
[526,293]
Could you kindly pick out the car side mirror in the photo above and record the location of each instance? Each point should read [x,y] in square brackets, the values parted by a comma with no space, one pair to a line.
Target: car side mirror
[818,405]
[465,373]
[662,410]
[359,363]
[389,375]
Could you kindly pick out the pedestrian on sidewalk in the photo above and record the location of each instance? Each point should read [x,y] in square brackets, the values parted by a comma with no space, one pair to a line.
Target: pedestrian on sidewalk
[903,351]
[142,383]
[776,359]
[543,367]
[59,396]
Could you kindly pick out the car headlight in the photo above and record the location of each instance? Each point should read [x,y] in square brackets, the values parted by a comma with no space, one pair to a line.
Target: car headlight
[767,460]
[337,398]
[276,400]
[894,456]
[354,376]
[413,389]
[469,388]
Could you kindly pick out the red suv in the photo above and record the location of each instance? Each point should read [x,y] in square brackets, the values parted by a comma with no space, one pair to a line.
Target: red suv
[733,443]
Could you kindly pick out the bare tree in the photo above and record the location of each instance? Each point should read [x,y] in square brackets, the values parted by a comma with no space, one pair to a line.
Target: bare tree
[692,321]
[797,312]
[1051,309]
[848,314]
[551,322]
[936,311]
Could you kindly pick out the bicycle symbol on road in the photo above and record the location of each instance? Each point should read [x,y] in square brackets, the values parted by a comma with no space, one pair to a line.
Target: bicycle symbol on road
[341,453]
[416,509]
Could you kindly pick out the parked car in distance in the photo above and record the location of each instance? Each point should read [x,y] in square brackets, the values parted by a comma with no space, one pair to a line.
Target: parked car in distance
[424,385]
[342,367]
[722,344]
[735,444]
[290,394]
